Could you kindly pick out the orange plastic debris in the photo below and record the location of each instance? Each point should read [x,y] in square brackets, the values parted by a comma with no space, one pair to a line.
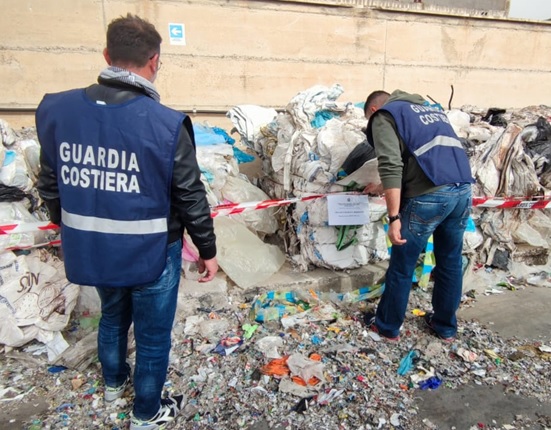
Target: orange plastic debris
[276,367]
[314,356]
[298,380]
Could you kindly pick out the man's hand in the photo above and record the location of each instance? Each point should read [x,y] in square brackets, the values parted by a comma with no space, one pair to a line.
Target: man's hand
[372,188]
[210,266]
[394,233]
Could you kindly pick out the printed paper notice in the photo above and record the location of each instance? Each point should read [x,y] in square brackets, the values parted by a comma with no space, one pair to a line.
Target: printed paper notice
[347,209]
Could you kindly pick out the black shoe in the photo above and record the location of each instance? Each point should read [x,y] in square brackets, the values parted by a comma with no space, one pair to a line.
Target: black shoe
[369,320]
[428,322]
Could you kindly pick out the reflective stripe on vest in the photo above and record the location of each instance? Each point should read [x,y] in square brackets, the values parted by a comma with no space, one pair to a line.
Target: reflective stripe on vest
[104,225]
[438,141]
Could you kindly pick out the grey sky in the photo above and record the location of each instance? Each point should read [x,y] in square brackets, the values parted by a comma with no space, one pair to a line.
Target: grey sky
[530,9]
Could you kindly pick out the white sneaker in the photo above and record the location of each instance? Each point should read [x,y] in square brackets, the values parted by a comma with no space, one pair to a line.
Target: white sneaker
[113,393]
[169,410]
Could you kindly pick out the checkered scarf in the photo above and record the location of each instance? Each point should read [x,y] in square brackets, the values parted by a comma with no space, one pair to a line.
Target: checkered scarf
[113,73]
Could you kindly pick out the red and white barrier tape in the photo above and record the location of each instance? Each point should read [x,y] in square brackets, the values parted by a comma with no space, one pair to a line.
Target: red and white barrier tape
[38,245]
[237,208]
[489,202]
[26,227]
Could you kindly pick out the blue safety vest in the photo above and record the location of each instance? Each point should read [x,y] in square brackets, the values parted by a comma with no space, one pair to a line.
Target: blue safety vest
[114,172]
[427,133]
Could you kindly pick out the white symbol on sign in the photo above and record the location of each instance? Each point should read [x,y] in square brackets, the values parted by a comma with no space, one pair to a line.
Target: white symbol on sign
[176,31]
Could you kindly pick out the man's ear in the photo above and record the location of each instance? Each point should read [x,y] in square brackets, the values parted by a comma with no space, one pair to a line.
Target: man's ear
[106,56]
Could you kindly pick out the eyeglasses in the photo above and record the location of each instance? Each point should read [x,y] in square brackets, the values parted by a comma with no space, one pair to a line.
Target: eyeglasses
[159,62]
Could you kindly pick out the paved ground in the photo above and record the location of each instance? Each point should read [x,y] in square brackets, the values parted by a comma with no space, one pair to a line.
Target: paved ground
[523,314]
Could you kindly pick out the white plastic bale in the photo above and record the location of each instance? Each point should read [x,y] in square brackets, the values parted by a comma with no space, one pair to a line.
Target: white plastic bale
[335,142]
[327,255]
[526,234]
[14,172]
[31,152]
[480,133]
[472,240]
[240,190]
[459,121]
[7,135]
[541,222]
[316,212]
[243,257]
[307,103]
[217,163]
[16,212]
[364,235]
[35,297]
[248,120]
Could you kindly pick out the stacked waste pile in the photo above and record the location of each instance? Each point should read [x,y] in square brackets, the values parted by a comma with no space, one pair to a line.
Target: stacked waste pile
[510,154]
[242,254]
[36,300]
[304,148]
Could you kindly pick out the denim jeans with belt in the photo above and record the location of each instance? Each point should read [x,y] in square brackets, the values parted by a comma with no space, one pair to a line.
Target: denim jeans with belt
[152,308]
[444,214]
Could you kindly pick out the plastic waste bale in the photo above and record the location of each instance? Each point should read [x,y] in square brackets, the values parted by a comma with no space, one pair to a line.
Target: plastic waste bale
[243,257]
[36,300]
[17,212]
[7,135]
[238,189]
[303,150]
[31,151]
[217,163]
[460,121]
[14,171]
[248,120]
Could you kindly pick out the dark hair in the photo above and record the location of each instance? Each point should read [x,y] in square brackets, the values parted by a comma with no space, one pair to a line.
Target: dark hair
[373,98]
[132,40]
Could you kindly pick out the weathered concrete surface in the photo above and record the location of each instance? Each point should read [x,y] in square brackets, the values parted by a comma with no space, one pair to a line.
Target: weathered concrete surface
[14,414]
[265,52]
[463,407]
[523,314]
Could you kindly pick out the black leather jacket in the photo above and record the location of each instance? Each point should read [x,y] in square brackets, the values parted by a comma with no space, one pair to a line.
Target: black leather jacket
[189,206]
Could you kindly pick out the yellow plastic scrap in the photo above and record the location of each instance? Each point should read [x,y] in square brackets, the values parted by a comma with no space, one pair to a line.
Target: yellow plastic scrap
[314,294]
[490,353]
[418,312]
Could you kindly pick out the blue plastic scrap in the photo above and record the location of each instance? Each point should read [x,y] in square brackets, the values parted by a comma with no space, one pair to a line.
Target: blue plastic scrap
[406,364]
[56,369]
[322,117]
[430,384]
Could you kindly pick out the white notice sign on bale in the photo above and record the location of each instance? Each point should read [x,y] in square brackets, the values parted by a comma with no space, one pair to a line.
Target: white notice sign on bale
[347,209]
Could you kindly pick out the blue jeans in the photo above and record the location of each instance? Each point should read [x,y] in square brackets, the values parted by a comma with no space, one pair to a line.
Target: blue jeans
[152,308]
[444,214]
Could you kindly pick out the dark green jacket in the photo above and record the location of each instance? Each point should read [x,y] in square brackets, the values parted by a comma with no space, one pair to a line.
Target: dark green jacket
[397,168]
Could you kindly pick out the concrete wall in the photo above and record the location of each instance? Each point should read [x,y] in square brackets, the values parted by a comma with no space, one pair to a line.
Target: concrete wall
[264,52]
[501,5]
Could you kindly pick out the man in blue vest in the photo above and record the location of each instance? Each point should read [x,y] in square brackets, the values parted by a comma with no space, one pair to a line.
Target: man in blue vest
[426,179]
[120,176]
